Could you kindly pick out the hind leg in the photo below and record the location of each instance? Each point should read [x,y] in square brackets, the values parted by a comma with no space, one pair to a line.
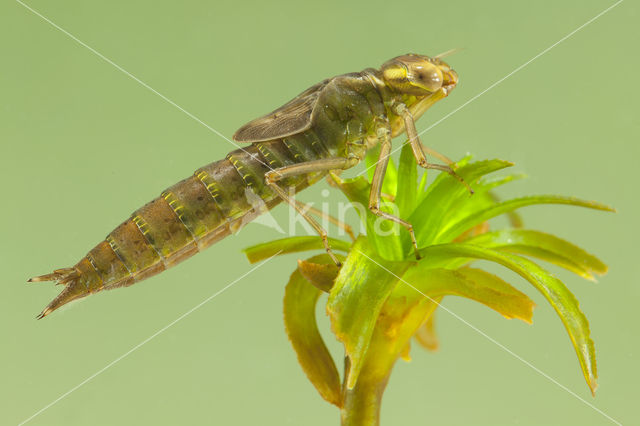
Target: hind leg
[337,222]
[272,177]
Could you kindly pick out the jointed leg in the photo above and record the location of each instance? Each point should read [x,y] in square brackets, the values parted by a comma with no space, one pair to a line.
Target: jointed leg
[384,136]
[432,152]
[272,177]
[346,228]
[416,145]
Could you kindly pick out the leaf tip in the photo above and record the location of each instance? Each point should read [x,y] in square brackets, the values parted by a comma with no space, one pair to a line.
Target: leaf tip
[590,277]
[250,257]
[593,386]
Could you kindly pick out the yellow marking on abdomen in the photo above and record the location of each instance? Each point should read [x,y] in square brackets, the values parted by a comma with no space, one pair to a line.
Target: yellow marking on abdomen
[116,250]
[143,226]
[178,209]
[293,149]
[247,178]
[211,185]
[92,262]
[269,156]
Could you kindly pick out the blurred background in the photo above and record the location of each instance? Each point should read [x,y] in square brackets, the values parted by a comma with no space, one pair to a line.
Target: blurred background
[84,145]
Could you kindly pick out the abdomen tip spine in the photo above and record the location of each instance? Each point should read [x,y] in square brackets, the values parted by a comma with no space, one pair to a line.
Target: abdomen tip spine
[74,289]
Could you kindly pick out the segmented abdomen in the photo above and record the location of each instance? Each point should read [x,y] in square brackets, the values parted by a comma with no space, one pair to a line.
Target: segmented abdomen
[217,200]
[193,214]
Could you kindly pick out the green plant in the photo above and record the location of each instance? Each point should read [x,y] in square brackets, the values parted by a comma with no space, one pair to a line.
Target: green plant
[382,296]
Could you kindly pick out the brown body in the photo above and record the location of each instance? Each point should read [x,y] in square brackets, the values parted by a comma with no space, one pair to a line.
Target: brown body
[185,219]
[327,127]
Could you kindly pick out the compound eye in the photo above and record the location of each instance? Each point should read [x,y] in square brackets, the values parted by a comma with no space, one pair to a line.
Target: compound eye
[428,76]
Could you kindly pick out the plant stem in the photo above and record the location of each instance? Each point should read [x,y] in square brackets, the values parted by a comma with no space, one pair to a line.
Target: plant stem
[361,405]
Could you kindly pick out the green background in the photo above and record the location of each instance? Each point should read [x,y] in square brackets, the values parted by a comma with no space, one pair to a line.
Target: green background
[83,145]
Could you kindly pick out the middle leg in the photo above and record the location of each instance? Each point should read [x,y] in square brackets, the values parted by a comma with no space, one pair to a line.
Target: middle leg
[383,133]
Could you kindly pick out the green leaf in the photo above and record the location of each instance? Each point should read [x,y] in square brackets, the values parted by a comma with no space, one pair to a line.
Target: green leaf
[498,295]
[414,299]
[470,283]
[302,329]
[400,317]
[482,198]
[422,185]
[446,187]
[488,183]
[406,195]
[441,176]
[383,234]
[556,293]
[356,189]
[390,181]
[515,220]
[431,214]
[370,161]
[291,245]
[543,246]
[356,298]
[454,229]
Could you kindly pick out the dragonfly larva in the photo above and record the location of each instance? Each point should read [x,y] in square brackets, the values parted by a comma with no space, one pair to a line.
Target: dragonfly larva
[329,126]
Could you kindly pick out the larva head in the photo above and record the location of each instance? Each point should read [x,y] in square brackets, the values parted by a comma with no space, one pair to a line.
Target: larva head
[418,75]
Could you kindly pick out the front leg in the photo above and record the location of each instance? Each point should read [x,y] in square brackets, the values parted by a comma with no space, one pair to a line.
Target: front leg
[383,132]
[272,177]
[414,139]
